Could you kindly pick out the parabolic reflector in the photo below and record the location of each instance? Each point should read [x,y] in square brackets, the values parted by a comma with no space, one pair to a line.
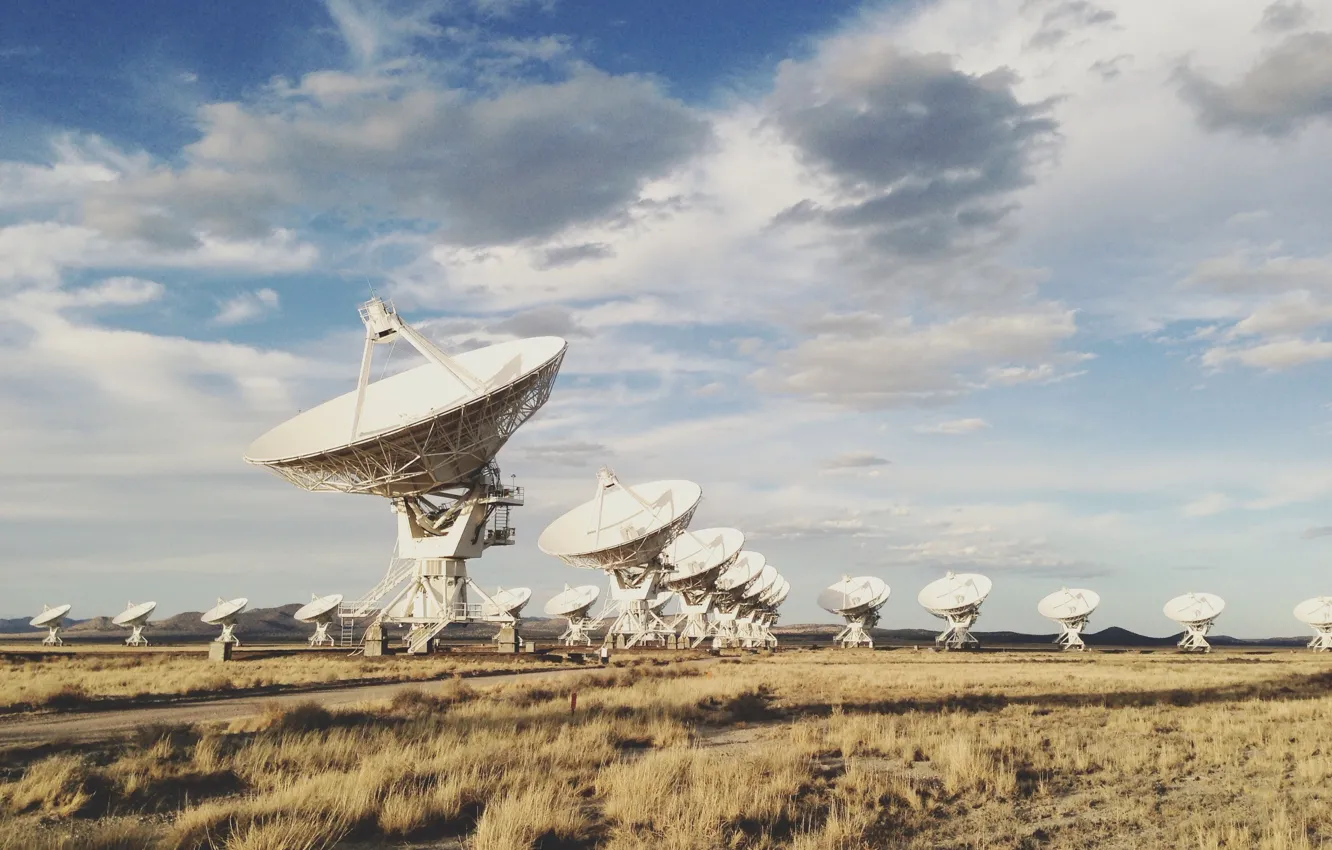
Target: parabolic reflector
[853,595]
[761,584]
[780,596]
[696,554]
[954,592]
[507,602]
[50,615]
[223,611]
[745,569]
[419,431]
[622,527]
[1315,612]
[1194,607]
[1067,604]
[322,607]
[573,601]
[134,615]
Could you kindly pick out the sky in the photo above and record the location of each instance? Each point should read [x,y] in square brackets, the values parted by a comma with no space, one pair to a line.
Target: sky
[1034,288]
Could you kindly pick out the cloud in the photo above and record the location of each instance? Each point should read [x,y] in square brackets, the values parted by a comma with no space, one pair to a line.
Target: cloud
[954,427]
[551,320]
[567,255]
[922,156]
[894,363]
[573,453]
[116,291]
[1273,356]
[1208,505]
[1290,86]
[1316,532]
[1285,15]
[854,460]
[522,163]
[1065,18]
[247,307]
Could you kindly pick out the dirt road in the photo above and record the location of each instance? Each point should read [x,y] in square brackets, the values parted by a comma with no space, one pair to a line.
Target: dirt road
[88,726]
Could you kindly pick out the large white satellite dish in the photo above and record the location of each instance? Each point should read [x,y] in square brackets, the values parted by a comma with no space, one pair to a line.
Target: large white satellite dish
[224,614]
[574,603]
[746,567]
[320,610]
[426,439]
[51,619]
[697,559]
[623,531]
[1196,612]
[857,600]
[1317,612]
[135,618]
[957,598]
[1071,609]
[755,611]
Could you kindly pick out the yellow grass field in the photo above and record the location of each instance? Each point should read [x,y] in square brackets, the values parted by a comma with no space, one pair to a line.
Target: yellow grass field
[78,679]
[804,749]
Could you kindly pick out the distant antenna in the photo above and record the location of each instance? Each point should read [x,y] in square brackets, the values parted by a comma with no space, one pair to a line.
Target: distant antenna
[135,618]
[224,614]
[1071,609]
[574,603]
[623,531]
[1317,612]
[320,610]
[51,619]
[957,598]
[729,599]
[697,559]
[1196,612]
[858,600]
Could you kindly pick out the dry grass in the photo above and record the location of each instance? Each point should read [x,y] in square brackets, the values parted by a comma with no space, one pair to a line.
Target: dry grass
[78,680]
[808,750]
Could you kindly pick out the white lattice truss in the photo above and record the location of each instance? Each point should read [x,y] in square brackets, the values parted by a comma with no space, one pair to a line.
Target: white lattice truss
[856,631]
[578,631]
[958,633]
[53,636]
[136,637]
[1322,639]
[228,634]
[1195,636]
[321,635]
[1070,634]
[410,461]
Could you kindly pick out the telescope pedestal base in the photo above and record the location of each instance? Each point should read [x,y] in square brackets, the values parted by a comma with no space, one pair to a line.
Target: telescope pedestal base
[321,635]
[1195,637]
[578,632]
[958,634]
[136,637]
[1071,635]
[1322,642]
[53,637]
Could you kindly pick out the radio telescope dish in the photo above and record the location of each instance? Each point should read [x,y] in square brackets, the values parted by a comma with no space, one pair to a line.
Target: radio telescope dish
[1196,612]
[698,557]
[135,618]
[1317,612]
[745,569]
[858,600]
[1071,609]
[623,531]
[426,439]
[957,598]
[761,584]
[51,619]
[224,614]
[319,610]
[622,527]
[508,603]
[574,603]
